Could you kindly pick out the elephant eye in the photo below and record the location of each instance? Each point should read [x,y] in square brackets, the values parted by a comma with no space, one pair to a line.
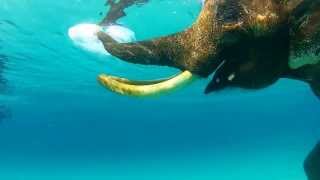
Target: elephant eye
[231,77]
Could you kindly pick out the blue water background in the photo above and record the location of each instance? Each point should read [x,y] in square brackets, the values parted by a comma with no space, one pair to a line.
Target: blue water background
[61,124]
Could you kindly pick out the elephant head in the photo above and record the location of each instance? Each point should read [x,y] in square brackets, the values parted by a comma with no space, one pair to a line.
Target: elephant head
[247,43]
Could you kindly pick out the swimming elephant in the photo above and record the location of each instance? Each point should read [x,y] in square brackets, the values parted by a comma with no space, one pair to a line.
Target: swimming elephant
[247,43]
[312,164]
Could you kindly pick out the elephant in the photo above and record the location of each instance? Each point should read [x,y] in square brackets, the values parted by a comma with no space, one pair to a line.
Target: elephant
[247,44]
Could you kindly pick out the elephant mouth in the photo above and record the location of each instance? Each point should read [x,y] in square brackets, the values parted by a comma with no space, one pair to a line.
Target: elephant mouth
[143,88]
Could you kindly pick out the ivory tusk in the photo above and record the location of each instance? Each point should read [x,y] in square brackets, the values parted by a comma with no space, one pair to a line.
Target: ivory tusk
[145,88]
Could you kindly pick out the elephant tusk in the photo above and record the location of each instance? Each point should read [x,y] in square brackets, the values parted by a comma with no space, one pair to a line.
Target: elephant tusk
[145,88]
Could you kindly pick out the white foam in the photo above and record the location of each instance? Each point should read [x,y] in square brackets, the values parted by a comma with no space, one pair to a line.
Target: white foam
[120,34]
[85,36]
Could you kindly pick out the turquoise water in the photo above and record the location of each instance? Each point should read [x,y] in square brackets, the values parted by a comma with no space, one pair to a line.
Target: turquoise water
[59,123]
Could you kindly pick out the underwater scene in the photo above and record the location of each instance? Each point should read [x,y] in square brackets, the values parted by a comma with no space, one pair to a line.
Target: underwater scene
[159,90]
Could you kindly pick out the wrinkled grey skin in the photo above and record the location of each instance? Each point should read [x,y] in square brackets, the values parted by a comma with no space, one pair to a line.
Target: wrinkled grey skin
[247,43]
